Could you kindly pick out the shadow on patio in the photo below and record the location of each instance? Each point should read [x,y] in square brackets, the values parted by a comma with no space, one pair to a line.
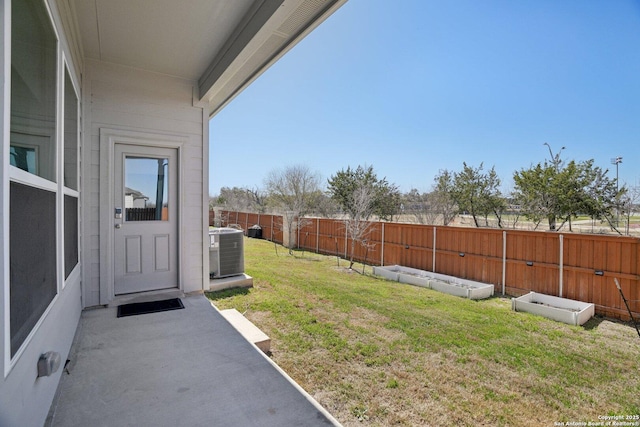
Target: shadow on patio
[185,367]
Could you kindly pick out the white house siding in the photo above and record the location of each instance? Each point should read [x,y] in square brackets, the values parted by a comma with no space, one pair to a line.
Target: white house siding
[25,399]
[128,99]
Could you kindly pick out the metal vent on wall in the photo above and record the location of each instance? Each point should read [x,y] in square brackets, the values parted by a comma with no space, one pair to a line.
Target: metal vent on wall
[302,15]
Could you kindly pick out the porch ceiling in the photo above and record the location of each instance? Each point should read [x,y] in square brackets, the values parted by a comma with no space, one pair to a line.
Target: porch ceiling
[222,44]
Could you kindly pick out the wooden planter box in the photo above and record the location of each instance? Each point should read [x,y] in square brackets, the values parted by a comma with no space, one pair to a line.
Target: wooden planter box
[563,310]
[439,282]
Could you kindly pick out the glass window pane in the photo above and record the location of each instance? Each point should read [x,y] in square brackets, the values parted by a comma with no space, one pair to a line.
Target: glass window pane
[70,134]
[23,158]
[33,89]
[70,234]
[146,196]
[32,248]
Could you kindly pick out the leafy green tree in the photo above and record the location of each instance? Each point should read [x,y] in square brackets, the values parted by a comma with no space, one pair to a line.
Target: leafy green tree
[441,197]
[477,193]
[559,191]
[385,196]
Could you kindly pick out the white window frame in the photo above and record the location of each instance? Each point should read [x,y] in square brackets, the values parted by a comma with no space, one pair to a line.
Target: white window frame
[14,174]
[62,189]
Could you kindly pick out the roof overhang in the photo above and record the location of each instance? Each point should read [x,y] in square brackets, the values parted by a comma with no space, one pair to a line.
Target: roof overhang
[224,45]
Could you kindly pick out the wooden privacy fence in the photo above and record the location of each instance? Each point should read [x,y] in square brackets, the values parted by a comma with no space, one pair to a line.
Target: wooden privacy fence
[575,266]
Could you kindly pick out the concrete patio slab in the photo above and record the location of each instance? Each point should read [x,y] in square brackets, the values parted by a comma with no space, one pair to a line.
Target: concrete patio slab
[177,368]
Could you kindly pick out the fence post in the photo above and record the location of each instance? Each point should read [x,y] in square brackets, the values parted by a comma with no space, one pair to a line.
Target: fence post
[504,260]
[433,267]
[561,263]
[272,227]
[346,238]
[317,235]
[382,251]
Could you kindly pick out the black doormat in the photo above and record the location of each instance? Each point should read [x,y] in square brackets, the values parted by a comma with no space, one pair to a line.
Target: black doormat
[136,308]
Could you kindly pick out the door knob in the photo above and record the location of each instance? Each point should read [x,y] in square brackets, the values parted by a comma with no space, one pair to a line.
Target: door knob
[118,225]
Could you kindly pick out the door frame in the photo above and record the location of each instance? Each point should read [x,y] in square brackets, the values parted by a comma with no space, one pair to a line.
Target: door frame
[108,139]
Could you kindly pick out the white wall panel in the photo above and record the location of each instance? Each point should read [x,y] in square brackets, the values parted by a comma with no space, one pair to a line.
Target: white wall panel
[135,100]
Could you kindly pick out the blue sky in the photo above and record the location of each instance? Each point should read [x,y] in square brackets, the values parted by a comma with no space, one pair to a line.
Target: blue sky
[415,86]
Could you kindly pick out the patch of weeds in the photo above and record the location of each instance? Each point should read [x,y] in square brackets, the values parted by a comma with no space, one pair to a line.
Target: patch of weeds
[360,412]
[366,349]
[296,342]
[464,359]
[498,396]
[227,293]
[393,383]
[378,360]
[631,409]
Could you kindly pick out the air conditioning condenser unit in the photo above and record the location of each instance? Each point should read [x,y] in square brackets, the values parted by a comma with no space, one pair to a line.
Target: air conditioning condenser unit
[226,252]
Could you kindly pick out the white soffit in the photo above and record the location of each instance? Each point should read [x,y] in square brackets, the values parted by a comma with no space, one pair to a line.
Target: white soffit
[222,44]
[174,37]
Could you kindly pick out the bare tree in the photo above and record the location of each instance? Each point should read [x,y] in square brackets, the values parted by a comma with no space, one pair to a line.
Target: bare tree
[419,206]
[357,224]
[239,199]
[629,205]
[293,191]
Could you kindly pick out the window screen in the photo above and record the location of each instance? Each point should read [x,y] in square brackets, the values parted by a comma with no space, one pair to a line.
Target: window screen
[70,234]
[70,133]
[32,246]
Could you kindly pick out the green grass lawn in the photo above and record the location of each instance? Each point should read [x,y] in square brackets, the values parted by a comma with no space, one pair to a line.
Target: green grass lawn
[376,352]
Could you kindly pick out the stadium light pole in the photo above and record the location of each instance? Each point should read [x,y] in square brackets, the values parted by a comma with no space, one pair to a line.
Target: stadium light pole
[616,161]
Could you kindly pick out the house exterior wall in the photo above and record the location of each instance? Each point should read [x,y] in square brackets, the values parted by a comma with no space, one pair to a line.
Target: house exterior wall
[132,100]
[25,399]
[111,97]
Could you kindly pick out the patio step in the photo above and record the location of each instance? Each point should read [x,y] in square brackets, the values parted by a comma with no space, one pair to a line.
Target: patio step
[240,281]
[248,330]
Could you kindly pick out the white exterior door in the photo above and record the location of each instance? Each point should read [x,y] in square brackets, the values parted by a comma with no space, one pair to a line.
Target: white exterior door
[145,218]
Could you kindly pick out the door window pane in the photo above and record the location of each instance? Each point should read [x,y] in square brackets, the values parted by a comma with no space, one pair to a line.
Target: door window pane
[146,196]
[70,134]
[33,89]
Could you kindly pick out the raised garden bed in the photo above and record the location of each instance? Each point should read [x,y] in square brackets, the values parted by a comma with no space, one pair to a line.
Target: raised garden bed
[560,309]
[439,282]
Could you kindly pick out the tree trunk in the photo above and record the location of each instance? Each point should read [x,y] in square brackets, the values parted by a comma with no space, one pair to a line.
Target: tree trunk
[353,247]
